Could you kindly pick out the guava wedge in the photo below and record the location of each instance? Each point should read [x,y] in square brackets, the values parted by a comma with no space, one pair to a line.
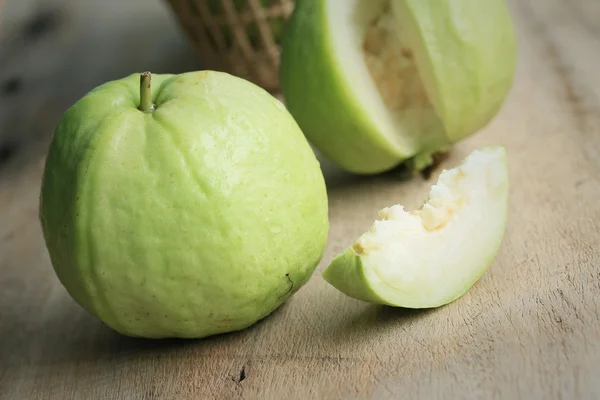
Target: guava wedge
[373,83]
[432,256]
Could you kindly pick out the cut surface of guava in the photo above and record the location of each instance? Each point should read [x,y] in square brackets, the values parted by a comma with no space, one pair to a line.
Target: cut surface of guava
[431,256]
[373,83]
[377,59]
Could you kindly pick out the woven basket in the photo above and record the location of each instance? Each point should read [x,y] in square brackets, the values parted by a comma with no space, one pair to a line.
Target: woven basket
[241,37]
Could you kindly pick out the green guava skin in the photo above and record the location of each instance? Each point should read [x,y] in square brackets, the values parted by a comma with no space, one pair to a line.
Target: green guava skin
[466,54]
[469,79]
[201,217]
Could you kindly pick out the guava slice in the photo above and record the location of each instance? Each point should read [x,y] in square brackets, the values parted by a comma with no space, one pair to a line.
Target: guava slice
[432,256]
[373,83]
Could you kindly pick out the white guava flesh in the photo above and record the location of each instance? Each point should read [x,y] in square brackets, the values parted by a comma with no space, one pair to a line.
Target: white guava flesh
[431,256]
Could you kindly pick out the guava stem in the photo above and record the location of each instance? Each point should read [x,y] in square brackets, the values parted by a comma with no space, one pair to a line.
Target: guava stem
[146,93]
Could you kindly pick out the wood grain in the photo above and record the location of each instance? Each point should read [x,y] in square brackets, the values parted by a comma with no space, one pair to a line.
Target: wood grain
[529,329]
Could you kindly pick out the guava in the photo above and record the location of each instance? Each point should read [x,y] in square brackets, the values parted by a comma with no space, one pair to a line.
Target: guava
[187,207]
[431,256]
[374,83]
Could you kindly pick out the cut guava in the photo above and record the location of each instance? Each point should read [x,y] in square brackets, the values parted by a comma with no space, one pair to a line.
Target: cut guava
[431,256]
[373,83]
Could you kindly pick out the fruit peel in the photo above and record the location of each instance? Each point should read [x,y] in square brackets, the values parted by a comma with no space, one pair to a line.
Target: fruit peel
[466,53]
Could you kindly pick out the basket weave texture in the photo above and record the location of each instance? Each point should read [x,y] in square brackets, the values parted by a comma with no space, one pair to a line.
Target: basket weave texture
[241,37]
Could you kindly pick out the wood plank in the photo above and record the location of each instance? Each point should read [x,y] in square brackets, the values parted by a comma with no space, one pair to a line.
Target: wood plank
[529,329]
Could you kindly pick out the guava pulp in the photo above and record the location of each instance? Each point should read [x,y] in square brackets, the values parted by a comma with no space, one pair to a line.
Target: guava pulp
[431,256]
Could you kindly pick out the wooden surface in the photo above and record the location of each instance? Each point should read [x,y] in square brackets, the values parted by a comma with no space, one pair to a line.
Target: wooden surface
[529,329]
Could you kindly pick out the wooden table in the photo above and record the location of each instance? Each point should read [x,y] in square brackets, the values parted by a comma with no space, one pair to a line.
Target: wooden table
[529,329]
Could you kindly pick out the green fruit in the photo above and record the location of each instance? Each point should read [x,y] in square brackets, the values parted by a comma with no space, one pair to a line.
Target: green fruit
[373,83]
[432,256]
[194,210]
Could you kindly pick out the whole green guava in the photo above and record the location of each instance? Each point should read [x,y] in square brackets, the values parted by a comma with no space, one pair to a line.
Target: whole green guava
[188,209]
